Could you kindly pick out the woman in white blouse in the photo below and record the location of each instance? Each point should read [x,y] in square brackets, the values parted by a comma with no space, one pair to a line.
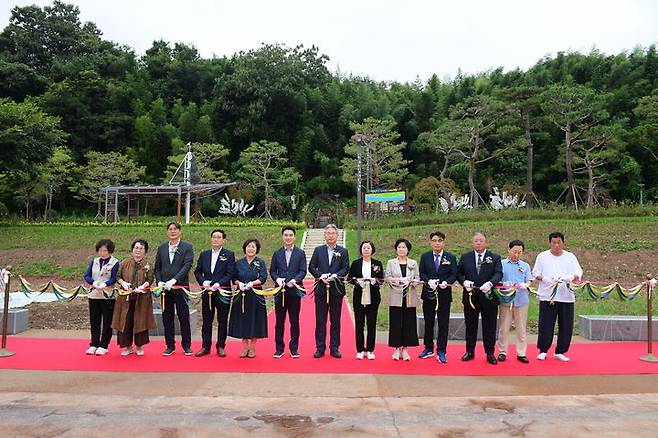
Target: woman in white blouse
[403,276]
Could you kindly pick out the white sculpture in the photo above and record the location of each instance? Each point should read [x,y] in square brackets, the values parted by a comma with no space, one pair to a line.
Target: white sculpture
[234,207]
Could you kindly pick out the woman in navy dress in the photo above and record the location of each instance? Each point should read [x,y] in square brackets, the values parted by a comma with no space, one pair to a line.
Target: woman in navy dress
[248,312]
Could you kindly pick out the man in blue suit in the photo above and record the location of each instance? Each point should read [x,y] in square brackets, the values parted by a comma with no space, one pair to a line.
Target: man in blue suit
[438,270]
[172,267]
[479,271]
[288,269]
[214,269]
[329,265]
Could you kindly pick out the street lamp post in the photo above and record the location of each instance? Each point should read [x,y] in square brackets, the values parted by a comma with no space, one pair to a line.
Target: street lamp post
[641,193]
[359,140]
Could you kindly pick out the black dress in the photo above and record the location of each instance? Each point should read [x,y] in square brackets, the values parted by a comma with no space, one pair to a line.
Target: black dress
[248,311]
[402,323]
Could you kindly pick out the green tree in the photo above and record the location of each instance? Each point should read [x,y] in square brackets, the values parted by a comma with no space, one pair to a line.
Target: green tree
[264,167]
[57,173]
[207,158]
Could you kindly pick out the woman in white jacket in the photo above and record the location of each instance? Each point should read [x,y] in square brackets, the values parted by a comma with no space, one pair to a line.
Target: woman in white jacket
[402,274]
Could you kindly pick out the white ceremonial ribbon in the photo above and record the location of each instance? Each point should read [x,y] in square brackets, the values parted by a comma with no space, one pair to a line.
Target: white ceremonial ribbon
[365,295]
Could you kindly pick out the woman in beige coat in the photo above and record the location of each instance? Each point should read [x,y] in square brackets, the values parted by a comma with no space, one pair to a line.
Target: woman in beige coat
[402,274]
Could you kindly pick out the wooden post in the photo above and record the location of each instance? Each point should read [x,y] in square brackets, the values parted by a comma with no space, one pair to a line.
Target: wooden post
[649,357]
[5,314]
[178,207]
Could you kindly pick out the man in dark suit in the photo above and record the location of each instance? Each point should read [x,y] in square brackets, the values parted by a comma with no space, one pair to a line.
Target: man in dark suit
[172,266]
[438,270]
[288,269]
[329,265]
[479,271]
[215,269]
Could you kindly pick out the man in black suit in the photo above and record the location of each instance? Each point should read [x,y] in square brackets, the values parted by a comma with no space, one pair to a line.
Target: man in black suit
[172,266]
[329,265]
[438,270]
[215,269]
[479,271]
[288,269]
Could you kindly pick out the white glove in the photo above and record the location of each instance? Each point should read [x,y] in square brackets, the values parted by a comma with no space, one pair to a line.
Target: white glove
[102,285]
[249,285]
[325,278]
[215,286]
[206,283]
[432,284]
[443,285]
[125,285]
[168,285]
[468,285]
[362,282]
[415,282]
[291,283]
[241,285]
[140,289]
[161,283]
[522,286]
[280,281]
[333,277]
[95,284]
[404,281]
[486,287]
[373,281]
[566,280]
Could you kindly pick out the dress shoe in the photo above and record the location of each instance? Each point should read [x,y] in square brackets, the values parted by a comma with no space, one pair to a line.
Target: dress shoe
[244,352]
[336,354]
[294,354]
[468,356]
[278,354]
[502,357]
[318,354]
[491,359]
[522,359]
[168,352]
[202,352]
[221,352]
[187,351]
[441,357]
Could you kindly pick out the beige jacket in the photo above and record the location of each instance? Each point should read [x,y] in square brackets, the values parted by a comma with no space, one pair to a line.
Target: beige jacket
[397,292]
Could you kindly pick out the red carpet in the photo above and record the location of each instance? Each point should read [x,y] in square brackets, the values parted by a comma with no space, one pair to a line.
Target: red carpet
[68,354]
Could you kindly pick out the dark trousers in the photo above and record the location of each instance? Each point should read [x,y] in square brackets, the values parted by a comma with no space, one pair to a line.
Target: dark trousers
[208,310]
[125,338]
[365,316]
[548,313]
[178,301]
[443,314]
[100,321]
[489,311]
[333,309]
[292,307]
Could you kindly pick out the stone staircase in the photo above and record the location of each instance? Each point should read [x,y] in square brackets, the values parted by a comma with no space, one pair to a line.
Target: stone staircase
[315,237]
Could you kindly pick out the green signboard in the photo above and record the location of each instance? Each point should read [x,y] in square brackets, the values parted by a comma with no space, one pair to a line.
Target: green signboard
[385,197]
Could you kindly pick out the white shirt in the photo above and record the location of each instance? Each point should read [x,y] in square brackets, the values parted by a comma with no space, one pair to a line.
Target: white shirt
[213,259]
[172,251]
[553,267]
[366,269]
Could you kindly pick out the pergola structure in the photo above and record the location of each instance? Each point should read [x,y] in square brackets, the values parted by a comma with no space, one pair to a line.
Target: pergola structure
[134,193]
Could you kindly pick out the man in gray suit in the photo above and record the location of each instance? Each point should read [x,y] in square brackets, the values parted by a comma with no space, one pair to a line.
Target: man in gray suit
[173,261]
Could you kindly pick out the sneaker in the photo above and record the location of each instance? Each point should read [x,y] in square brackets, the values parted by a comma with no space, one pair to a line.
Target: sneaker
[396,354]
[140,351]
[169,351]
[370,355]
[441,357]
[278,354]
[426,353]
[126,351]
[562,357]
[541,356]
[91,350]
[100,351]
[294,354]
[359,355]
[405,355]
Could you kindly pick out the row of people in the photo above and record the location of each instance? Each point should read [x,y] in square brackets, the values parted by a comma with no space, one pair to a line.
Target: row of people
[244,316]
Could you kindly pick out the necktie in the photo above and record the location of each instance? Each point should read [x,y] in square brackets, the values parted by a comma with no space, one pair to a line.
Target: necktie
[479,263]
[437,260]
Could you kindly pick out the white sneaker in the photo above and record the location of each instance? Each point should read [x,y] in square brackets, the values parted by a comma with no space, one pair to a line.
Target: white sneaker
[541,356]
[91,350]
[126,351]
[359,355]
[100,351]
[140,351]
[396,354]
[405,354]
[370,355]
[562,357]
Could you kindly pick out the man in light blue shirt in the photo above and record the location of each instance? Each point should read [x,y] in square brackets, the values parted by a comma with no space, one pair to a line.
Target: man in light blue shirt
[516,273]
